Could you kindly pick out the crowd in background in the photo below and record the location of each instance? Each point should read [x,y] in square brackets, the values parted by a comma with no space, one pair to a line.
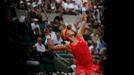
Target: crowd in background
[40,30]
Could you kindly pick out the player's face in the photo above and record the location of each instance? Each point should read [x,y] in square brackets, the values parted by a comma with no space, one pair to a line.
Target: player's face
[70,33]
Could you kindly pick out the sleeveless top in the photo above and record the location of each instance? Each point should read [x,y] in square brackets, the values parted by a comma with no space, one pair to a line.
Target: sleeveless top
[81,53]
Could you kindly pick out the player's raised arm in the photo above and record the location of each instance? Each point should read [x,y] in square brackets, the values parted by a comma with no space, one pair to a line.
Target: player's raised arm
[83,24]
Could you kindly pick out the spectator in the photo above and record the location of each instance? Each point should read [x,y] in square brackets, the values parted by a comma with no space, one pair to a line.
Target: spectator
[47,36]
[56,24]
[46,4]
[79,2]
[100,45]
[87,36]
[59,17]
[95,35]
[36,13]
[39,3]
[103,53]
[87,4]
[50,44]
[22,18]
[39,15]
[37,32]
[77,7]
[57,39]
[39,46]
[41,50]
[96,15]
[53,6]
[51,32]
[68,7]
[59,6]
[35,25]
[29,6]
[22,6]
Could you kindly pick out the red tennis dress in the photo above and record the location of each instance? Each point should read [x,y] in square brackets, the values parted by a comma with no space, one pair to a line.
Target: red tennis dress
[82,58]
